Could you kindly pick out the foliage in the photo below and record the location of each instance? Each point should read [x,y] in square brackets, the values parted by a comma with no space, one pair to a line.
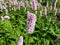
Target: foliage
[46,29]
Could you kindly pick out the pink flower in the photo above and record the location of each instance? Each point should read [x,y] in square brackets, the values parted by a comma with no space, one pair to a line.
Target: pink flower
[0,6]
[15,2]
[55,10]
[20,41]
[10,1]
[2,1]
[31,19]
[5,17]
[21,3]
[55,2]
[34,4]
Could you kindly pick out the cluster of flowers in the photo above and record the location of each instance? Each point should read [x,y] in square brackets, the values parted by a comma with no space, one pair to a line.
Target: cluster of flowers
[34,4]
[31,18]
[3,6]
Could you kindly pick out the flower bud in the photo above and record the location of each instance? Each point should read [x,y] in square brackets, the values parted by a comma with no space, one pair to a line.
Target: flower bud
[20,41]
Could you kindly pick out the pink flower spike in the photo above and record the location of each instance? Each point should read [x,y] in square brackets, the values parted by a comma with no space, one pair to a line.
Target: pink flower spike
[31,19]
[34,4]
[20,41]
[6,17]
